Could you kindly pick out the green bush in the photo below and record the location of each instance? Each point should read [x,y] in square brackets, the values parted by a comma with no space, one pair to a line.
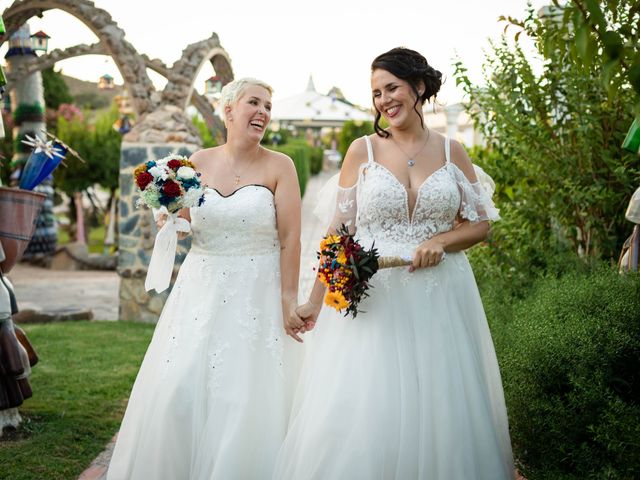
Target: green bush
[570,362]
[316,154]
[207,139]
[301,158]
[317,157]
[350,131]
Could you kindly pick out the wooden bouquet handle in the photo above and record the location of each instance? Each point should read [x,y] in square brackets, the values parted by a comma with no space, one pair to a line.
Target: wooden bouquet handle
[393,261]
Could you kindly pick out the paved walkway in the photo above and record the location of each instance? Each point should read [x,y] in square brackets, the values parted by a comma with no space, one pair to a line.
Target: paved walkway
[55,291]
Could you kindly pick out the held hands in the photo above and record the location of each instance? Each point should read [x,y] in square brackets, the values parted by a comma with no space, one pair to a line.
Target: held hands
[428,254]
[161,219]
[293,324]
[308,312]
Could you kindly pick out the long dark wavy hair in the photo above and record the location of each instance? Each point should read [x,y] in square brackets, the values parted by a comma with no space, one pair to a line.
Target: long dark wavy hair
[412,67]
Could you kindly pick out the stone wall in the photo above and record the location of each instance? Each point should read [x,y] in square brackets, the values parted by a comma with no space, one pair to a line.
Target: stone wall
[163,132]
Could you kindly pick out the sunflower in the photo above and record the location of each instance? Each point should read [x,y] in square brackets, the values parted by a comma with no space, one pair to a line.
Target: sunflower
[342,258]
[336,300]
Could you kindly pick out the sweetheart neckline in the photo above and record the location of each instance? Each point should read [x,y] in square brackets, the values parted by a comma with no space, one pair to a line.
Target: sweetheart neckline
[238,189]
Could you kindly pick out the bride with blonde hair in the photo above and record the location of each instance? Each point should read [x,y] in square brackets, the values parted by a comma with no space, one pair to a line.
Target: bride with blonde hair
[212,397]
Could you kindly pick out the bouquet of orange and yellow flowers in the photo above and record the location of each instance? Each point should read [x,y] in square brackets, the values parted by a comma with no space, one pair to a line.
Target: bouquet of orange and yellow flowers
[346,268]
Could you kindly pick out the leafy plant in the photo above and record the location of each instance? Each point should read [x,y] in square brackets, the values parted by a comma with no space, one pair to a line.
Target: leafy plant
[569,356]
[554,135]
[350,131]
[56,91]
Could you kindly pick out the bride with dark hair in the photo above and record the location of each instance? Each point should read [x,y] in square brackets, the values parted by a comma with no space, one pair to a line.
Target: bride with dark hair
[410,389]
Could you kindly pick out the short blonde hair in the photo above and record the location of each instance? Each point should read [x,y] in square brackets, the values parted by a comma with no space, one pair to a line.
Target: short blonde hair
[232,91]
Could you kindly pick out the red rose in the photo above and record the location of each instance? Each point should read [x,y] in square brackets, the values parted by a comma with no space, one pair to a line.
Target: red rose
[171,189]
[174,164]
[144,179]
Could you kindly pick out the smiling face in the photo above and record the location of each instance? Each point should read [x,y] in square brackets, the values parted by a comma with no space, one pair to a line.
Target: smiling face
[251,113]
[394,98]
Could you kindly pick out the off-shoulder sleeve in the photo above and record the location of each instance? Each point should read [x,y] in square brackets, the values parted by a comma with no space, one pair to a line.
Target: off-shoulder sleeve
[476,204]
[336,205]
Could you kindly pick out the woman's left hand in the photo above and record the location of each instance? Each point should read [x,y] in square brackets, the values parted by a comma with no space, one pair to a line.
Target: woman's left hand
[428,254]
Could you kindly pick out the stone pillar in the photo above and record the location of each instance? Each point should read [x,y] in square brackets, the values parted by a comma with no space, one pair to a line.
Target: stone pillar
[167,130]
[452,113]
[27,105]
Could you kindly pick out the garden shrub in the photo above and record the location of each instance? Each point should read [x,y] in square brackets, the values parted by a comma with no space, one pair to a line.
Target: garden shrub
[570,362]
[301,159]
[316,154]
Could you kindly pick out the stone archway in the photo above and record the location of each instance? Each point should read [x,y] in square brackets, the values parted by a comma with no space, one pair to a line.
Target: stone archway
[43,62]
[163,128]
[129,62]
[184,72]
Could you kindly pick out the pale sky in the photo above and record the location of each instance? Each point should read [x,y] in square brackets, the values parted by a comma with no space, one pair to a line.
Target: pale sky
[285,41]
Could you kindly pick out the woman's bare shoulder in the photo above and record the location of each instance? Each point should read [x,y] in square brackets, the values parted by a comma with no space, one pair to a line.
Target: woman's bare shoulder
[204,156]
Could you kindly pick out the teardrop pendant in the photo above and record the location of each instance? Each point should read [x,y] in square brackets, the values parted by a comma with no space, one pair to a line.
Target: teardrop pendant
[237,179]
[411,163]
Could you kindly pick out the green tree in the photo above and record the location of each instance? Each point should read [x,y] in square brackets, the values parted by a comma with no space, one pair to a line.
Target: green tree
[554,137]
[609,30]
[56,91]
[99,144]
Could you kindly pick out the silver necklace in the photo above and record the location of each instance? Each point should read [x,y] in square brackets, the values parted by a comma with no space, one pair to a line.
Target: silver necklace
[410,158]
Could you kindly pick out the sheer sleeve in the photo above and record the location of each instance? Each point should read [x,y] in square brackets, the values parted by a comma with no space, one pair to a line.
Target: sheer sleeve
[476,204]
[337,205]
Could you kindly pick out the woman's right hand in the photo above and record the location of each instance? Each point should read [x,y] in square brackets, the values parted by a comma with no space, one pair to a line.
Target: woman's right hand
[309,312]
[161,220]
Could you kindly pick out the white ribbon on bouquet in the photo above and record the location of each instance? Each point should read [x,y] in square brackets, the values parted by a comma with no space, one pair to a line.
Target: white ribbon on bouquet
[164,250]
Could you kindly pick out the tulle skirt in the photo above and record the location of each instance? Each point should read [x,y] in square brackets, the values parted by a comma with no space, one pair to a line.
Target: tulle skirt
[409,389]
[213,395]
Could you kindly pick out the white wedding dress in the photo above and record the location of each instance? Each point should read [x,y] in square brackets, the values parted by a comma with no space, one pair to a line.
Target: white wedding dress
[410,388]
[213,395]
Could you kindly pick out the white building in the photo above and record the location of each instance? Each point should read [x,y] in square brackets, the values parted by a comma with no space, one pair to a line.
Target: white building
[311,109]
[453,121]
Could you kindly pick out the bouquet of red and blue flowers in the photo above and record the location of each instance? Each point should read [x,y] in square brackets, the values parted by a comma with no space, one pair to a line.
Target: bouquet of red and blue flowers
[170,182]
[346,268]
[167,185]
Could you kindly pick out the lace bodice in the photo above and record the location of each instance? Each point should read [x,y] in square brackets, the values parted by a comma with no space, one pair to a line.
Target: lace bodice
[242,223]
[378,206]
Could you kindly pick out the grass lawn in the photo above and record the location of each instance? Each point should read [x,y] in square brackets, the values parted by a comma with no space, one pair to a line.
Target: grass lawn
[81,385]
[95,238]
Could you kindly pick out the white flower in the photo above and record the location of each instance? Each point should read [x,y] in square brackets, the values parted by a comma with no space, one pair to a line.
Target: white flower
[191,197]
[186,172]
[159,172]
